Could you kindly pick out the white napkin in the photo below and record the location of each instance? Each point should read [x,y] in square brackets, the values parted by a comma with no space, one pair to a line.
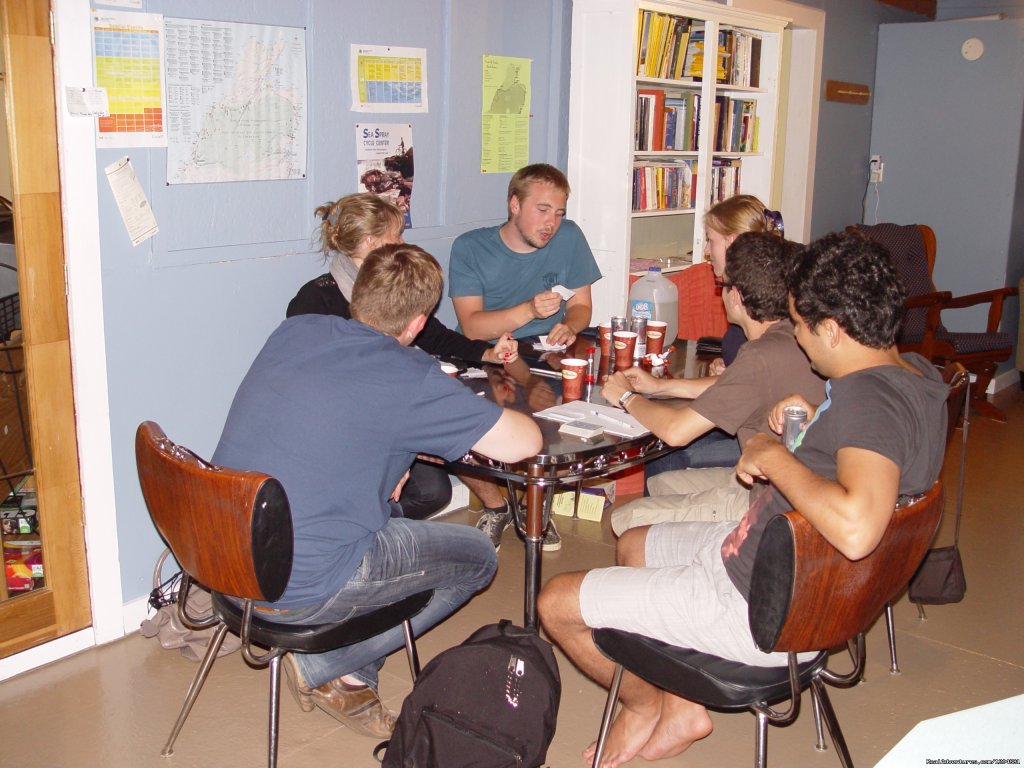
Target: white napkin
[565,293]
[543,345]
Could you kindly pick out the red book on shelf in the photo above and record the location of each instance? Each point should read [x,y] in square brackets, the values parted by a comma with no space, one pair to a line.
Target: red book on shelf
[657,120]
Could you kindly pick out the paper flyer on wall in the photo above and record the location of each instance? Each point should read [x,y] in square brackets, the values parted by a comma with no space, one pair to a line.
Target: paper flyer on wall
[128,52]
[387,78]
[131,201]
[505,114]
[384,163]
[236,101]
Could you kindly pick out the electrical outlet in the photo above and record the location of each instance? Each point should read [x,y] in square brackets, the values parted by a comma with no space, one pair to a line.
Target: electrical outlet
[876,169]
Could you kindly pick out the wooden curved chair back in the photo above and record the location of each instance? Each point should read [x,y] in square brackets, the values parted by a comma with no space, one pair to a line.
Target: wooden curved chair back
[229,529]
[806,596]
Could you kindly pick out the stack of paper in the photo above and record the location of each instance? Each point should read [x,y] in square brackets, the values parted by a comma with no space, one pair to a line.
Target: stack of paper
[614,421]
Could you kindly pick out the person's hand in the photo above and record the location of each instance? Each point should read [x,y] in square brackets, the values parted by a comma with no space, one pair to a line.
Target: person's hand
[641,381]
[561,333]
[545,304]
[539,394]
[748,469]
[616,386]
[776,418]
[503,385]
[398,488]
[505,351]
[716,367]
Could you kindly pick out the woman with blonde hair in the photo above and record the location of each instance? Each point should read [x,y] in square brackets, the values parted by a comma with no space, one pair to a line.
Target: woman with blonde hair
[350,228]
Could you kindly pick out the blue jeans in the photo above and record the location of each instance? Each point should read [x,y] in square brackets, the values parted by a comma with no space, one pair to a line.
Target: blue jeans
[407,556]
[712,449]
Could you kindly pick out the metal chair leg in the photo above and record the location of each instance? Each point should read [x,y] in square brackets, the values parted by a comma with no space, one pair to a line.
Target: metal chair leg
[920,612]
[576,500]
[819,732]
[761,740]
[609,710]
[410,650]
[195,687]
[275,711]
[890,628]
[829,716]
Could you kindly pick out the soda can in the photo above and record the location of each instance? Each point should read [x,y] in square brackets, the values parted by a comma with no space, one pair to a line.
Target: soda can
[639,326]
[793,418]
[619,323]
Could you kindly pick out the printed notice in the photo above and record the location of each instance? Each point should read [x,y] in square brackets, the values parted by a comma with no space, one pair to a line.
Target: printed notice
[236,101]
[131,200]
[128,63]
[384,164]
[505,118]
[388,79]
[91,102]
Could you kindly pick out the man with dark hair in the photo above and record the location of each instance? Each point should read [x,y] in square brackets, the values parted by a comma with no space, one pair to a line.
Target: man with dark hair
[337,411]
[768,367]
[878,435]
[501,280]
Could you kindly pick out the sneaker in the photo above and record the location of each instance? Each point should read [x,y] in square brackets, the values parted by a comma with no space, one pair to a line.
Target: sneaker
[358,708]
[494,524]
[552,542]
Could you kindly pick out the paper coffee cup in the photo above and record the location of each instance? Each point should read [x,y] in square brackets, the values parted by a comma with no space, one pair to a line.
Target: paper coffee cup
[574,374]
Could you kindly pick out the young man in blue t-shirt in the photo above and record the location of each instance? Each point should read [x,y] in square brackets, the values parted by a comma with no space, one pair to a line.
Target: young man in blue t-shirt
[337,410]
[501,279]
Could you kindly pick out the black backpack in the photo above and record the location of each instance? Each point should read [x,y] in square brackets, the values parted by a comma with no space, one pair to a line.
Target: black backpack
[490,702]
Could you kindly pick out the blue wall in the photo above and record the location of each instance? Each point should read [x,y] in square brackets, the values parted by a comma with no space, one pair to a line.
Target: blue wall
[186,311]
[949,132]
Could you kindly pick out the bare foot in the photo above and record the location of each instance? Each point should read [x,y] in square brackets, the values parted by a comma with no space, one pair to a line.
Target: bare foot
[628,733]
[681,723]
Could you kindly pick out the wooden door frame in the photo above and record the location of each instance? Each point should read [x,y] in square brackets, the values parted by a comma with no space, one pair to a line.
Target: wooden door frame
[62,606]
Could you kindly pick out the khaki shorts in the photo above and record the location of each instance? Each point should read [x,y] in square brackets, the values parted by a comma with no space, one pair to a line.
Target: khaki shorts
[708,495]
[683,597]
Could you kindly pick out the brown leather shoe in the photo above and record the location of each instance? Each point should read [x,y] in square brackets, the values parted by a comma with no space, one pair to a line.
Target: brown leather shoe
[357,708]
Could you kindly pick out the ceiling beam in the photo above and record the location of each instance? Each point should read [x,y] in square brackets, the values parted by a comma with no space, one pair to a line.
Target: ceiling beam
[923,7]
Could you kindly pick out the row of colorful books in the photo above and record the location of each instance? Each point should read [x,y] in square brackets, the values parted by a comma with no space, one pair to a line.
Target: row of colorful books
[661,45]
[673,47]
[736,125]
[666,121]
[663,186]
[725,178]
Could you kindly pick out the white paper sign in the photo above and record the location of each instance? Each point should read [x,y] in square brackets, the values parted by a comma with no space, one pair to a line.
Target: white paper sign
[131,201]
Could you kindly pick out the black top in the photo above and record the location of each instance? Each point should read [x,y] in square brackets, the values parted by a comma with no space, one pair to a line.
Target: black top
[321,296]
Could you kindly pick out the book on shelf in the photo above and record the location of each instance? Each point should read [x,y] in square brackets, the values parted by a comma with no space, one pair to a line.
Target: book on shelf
[695,51]
[725,178]
[661,44]
[653,131]
[745,63]
[663,186]
[735,127]
[681,118]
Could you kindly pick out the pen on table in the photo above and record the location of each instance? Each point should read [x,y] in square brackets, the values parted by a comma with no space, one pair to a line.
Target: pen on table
[546,372]
[612,419]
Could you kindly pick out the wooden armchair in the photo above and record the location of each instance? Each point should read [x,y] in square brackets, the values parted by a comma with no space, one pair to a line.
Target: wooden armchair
[913,249]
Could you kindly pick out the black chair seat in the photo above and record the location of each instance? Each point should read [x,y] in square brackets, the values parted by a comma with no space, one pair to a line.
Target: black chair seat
[317,638]
[971,343]
[715,682]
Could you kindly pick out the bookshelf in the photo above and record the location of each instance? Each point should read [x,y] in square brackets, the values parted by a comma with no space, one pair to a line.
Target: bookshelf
[647,154]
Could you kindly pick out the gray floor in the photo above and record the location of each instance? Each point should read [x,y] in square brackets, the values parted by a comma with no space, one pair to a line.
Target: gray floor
[113,705]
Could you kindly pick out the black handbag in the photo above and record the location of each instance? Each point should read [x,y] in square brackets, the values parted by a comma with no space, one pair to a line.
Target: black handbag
[940,579]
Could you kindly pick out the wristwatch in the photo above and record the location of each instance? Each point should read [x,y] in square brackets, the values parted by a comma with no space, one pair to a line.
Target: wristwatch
[625,398]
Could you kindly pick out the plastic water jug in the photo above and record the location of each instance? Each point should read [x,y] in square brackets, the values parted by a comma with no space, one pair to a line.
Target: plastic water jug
[656,297]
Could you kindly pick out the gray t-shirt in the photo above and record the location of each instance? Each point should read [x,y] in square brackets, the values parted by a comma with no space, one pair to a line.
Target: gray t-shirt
[887,410]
